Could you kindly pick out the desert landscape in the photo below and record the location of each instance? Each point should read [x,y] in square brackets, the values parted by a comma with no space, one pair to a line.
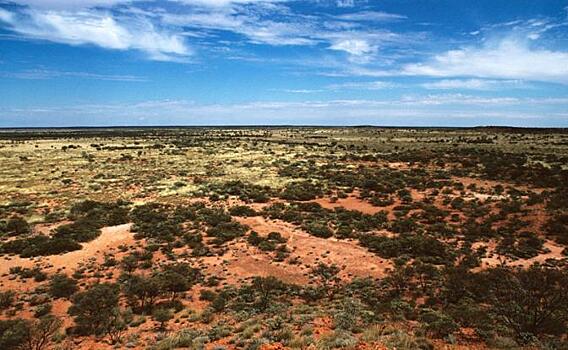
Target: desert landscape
[284,238]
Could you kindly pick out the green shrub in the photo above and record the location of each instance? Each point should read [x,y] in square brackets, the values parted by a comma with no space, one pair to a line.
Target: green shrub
[242,210]
[438,324]
[185,338]
[17,226]
[62,286]
[94,309]
[336,340]
[13,333]
[301,191]
[162,316]
[226,231]
[6,299]
[40,245]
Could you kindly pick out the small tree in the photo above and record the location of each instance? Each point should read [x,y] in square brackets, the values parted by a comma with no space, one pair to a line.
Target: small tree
[129,263]
[328,279]
[62,286]
[95,308]
[17,226]
[22,334]
[438,324]
[172,282]
[532,301]
[115,326]
[162,315]
[6,299]
[12,333]
[266,287]
[40,332]
[141,291]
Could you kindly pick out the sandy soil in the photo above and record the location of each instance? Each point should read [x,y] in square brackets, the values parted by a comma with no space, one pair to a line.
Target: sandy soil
[555,252]
[110,238]
[355,260]
[488,185]
[349,203]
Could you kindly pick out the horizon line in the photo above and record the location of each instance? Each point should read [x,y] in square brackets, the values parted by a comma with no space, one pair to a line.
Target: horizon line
[173,126]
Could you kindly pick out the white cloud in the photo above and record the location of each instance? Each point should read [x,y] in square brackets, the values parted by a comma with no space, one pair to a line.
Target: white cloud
[41,74]
[473,84]
[100,29]
[6,16]
[345,3]
[250,24]
[364,85]
[69,4]
[223,3]
[356,47]
[445,109]
[460,99]
[277,26]
[298,91]
[371,16]
[509,59]
[367,85]
[161,31]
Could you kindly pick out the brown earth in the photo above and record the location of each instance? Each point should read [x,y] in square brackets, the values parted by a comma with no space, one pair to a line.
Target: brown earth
[110,238]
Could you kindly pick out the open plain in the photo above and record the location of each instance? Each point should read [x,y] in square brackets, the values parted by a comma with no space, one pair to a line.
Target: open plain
[284,238]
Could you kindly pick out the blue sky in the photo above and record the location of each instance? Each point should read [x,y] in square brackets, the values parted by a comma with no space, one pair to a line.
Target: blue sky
[311,62]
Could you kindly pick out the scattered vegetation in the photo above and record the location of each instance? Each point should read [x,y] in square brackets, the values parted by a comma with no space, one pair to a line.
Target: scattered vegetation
[250,238]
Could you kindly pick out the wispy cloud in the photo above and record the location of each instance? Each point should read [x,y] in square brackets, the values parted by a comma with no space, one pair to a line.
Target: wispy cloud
[42,74]
[374,16]
[6,16]
[98,28]
[408,110]
[368,85]
[161,29]
[355,47]
[474,84]
[359,49]
[508,59]
[252,23]
[69,4]
[222,3]
[345,3]
[299,91]
[351,85]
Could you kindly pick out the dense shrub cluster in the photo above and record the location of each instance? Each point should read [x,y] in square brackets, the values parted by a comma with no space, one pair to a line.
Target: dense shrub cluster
[16,226]
[526,305]
[143,292]
[523,245]
[268,243]
[375,184]
[89,217]
[244,191]
[96,309]
[62,286]
[226,231]
[516,167]
[184,224]
[301,191]
[425,247]
[157,221]
[20,334]
[257,296]
[40,245]
[324,223]
[557,228]
[242,210]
